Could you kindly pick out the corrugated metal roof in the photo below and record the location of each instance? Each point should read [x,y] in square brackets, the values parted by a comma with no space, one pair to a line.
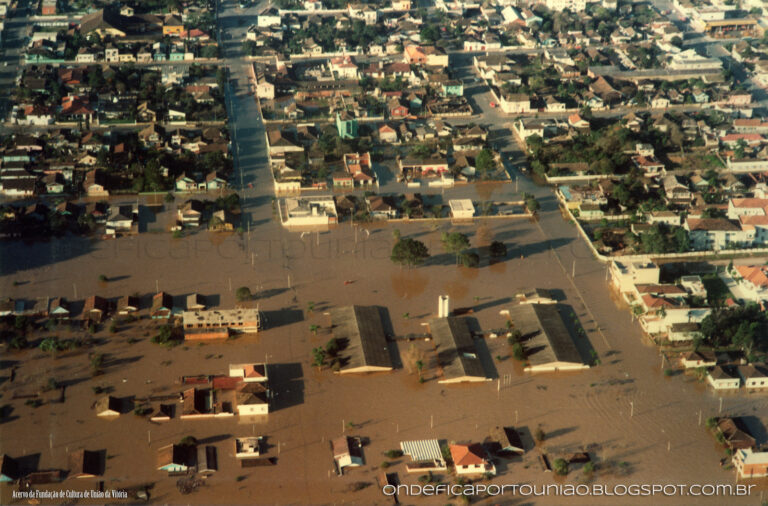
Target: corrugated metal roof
[456,351]
[422,449]
[363,329]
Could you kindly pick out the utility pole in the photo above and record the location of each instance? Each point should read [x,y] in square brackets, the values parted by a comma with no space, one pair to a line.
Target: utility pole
[631,409]
[431,421]
[573,270]
[157,286]
[699,418]
[74,287]
[230,284]
[721,405]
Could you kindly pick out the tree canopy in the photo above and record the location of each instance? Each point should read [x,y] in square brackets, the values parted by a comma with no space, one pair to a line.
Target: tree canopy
[409,252]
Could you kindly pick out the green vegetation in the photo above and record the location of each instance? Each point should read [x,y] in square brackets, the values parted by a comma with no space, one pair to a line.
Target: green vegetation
[243,293]
[742,326]
[455,242]
[409,252]
[167,336]
[497,249]
[560,466]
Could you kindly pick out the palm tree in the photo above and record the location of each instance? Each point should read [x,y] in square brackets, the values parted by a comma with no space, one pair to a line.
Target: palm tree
[419,367]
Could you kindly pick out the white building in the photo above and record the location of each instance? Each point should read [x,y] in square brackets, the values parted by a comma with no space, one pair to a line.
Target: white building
[625,276]
[308,211]
[462,208]
[719,379]
[750,464]
[691,60]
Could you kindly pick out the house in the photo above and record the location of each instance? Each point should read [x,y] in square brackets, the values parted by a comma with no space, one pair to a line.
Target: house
[127,305]
[471,459]
[190,212]
[346,125]
[576,121]
[381,207]
[696,359]
[515,103]
[508,440]
[184,183]
[414,167]
[58,308]
[212,324]
[754,377]
[122,218]
[176,458]
[162,306]
[195,302]
[720,379]
[754,281]
[299,211]
[95,308]
[387,133]
[736,437]
[95,182]
[221,221]
[108,406]
[84,464]
[207,462]
[248,447]
[462,208]
[750,463]
[347,452]
[715,233]
[9,469]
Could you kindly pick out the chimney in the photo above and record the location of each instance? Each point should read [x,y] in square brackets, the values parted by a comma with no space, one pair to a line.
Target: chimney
[443,306]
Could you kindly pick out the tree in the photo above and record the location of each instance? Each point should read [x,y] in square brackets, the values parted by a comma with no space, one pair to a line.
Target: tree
[560,466]
[470,259]
[455,242]
[518,352]
[484,161]
[409,252]
[497,249]
[243,293]
[313,328]
[318,357]
[169,197]
[419,366]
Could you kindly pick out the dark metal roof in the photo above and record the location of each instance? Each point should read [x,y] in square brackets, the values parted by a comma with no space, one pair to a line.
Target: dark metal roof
[548,340]
[456,351]
[362,328]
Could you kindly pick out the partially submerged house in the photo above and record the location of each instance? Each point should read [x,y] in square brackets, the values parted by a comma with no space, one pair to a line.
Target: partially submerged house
[347,452]
[84,464]
[508,440]
[176,458]
[108,406]
[471,459]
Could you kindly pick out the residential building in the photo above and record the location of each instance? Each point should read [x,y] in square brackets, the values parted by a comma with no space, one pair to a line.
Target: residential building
[209,324]
[750,463]
[301,211]
[471,459]
[720,379]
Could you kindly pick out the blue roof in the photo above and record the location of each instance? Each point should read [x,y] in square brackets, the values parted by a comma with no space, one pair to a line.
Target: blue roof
[566,191]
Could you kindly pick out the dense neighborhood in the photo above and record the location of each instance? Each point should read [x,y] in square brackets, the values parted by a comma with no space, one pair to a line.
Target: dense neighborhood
[296,252]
